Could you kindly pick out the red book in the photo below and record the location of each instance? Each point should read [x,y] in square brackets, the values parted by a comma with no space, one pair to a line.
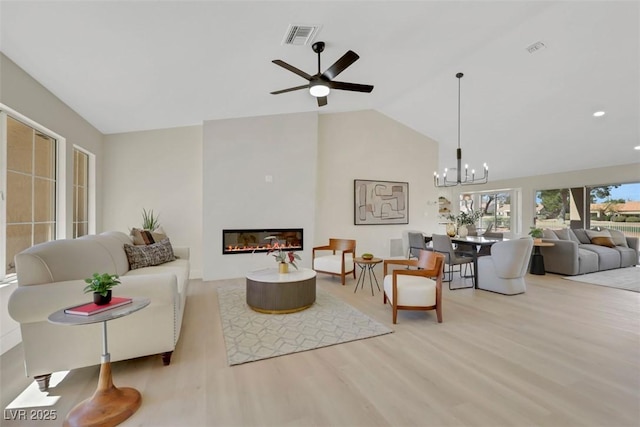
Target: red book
[91,308]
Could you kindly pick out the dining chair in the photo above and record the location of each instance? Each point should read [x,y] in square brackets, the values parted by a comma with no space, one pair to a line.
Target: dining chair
[486,250]
[339,262]
[416,244]
[442,244]
[419,288]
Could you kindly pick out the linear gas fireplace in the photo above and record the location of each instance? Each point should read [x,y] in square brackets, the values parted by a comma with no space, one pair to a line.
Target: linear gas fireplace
[245,241]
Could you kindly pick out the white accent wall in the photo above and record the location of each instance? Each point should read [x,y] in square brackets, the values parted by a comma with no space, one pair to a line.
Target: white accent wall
[159,170]
[259,172]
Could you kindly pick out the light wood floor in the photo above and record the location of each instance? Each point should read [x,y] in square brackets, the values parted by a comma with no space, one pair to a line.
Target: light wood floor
[563,354]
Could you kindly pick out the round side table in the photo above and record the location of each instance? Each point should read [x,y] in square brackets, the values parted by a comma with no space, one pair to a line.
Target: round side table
[109,406]
[366,267]
[537,260]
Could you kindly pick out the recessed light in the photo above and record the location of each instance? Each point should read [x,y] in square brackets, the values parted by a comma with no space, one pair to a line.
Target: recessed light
[598,114]
[637,147]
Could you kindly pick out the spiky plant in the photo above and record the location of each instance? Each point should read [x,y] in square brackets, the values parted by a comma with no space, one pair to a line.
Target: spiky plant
[149,220]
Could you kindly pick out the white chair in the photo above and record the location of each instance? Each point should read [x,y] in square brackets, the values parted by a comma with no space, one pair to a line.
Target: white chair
[503,272]
[415,289]
[339,262]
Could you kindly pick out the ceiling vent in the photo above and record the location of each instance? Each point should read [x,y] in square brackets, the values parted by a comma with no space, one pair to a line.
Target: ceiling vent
[300,35]
[535,47]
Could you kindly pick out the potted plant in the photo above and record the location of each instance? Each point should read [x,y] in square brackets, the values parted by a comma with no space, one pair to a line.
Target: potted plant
[536,233]
[149,220]
[100,285]
[464,219]
[281,255]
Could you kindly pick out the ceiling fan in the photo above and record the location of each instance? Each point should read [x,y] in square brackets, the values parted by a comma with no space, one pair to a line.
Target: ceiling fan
[321,84]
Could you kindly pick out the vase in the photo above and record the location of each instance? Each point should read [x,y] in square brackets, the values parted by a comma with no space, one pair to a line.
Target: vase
[451,229]
[463,231]
[98,299]
[283,268]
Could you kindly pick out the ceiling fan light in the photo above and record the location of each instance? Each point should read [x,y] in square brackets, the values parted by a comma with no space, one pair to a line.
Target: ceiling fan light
[319,90]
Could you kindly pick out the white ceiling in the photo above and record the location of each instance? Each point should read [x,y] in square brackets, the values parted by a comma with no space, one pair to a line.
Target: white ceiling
[137,65]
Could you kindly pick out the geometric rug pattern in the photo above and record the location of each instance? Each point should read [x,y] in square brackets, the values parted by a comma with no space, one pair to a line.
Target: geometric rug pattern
[251,336]
[622,278]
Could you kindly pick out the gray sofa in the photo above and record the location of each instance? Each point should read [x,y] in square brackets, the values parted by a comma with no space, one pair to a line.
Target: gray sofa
[580,251]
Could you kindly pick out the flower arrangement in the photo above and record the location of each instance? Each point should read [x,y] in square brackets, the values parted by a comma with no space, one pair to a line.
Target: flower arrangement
[279,252]
[464,218]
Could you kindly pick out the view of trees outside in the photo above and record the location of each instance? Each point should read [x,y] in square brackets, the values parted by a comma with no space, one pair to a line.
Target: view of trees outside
[495,207]
[612,206]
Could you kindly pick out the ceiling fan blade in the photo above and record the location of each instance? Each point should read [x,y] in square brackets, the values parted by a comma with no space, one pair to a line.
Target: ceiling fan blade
[292,69]
[291,89]
[322,101]
[340,65]
[350,86]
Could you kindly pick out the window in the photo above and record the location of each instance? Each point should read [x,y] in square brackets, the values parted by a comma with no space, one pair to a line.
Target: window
[80,193]
[496,209]
[30,208]
[615,206]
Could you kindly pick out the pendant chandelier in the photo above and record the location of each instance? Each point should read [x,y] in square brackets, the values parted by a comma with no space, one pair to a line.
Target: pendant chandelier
[466,179]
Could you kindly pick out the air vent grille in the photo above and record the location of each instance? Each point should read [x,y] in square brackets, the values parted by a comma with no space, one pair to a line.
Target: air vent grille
[300,35]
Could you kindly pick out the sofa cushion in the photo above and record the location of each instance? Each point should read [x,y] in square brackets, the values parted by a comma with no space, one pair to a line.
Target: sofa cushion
[608,258]
[149,255]
[147,237]
[581,236]
[618,238]
[600,237]
[567,234]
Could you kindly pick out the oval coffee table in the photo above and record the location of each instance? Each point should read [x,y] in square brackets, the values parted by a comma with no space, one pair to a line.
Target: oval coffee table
[270,292]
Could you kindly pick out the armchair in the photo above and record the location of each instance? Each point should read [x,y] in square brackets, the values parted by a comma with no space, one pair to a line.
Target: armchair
[415,289]
[503,272]
[339,262]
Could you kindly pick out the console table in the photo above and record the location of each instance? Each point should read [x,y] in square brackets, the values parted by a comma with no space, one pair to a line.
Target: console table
[109,406]
[270,292]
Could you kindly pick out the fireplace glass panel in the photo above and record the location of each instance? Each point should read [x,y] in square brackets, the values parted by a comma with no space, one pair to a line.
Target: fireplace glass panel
[242,241]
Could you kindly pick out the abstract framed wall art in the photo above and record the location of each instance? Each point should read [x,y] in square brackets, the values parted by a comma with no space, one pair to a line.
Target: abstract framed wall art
[380,202]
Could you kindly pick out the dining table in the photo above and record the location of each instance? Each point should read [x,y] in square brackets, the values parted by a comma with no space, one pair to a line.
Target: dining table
[475,242]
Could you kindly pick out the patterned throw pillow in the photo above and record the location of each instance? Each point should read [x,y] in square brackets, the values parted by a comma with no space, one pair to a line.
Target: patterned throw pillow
[149,255]
[147,237]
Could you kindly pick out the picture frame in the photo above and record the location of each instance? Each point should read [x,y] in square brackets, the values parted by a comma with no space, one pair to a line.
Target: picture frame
[380,202]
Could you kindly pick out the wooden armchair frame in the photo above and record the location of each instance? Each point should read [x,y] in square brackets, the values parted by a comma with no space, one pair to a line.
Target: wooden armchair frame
[346,246]
[430,265]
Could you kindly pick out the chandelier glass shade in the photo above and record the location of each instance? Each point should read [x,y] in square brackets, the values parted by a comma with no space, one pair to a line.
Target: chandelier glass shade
[461,178]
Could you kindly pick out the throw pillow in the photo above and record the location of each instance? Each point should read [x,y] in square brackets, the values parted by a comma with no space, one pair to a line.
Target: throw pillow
[602,238]
[618,238]
[581,234]
[149,255]
[549,234]
[567,234]
[603,241]
[146,237]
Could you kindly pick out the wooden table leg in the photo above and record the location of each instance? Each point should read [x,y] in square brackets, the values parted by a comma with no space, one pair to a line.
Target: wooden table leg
[109,405]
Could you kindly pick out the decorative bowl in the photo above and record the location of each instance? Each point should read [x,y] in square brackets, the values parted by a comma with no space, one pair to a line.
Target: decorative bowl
[367,256]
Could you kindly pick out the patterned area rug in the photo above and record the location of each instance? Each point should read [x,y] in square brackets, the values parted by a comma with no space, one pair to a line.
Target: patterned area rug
[251,336]
[621,278]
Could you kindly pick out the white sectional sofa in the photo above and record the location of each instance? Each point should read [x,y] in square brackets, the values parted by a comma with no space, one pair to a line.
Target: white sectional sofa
[51,277]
